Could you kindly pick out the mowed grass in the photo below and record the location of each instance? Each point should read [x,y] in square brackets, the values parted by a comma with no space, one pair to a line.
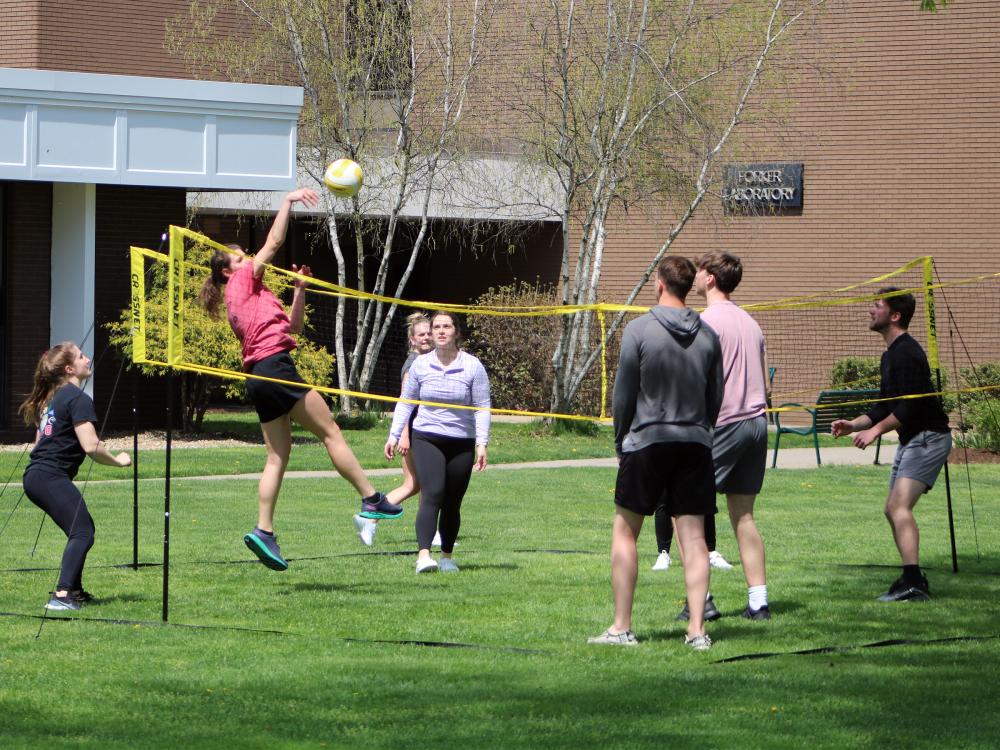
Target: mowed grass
[509,443]
[317,656]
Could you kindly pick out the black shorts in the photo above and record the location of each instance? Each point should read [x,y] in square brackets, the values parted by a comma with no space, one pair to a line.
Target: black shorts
[273,400]
[679,476]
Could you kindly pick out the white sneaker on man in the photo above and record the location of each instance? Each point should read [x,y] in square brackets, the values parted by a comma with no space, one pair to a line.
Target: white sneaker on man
[426,565]
[662,561]
[718,561]
[366,528]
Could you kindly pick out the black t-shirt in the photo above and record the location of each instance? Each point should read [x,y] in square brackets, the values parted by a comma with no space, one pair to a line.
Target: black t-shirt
[58,448]
[904,371]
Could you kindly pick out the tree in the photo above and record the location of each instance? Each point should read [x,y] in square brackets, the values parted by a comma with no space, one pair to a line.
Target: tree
[630,104]
[386,84]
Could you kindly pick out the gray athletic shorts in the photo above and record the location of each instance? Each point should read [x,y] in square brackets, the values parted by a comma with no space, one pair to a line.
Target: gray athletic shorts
[739,450]
[921,458]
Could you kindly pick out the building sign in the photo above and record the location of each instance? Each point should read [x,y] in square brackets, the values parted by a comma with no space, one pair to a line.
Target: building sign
[755,187]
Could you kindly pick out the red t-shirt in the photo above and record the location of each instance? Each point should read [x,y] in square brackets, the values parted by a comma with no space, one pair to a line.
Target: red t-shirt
[257,317]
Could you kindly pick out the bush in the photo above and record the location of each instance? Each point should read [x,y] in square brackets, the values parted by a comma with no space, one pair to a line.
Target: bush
[517,351]
[983,417]
[980,376]
[856,373]
[365,419]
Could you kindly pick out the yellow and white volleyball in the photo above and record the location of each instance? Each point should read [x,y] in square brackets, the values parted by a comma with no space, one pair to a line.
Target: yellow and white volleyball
[344,178]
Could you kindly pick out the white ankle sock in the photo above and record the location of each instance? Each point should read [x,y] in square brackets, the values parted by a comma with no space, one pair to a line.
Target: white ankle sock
[757,596]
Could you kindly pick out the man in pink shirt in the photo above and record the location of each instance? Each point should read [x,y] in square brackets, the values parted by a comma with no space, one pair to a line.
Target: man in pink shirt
[739,442]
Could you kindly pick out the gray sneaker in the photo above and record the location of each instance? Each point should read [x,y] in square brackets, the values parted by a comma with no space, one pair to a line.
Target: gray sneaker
[699,642]
[62,604]
[711,611]
[608,638]
[265,546]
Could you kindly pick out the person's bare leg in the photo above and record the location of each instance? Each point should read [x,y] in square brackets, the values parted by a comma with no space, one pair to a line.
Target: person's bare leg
[312,413]
[899,511]
[278,440]
[410,485]
[691,535]
[624,565]
[748,538]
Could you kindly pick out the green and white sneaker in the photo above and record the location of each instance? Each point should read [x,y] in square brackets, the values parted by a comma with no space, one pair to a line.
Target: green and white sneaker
[265,546]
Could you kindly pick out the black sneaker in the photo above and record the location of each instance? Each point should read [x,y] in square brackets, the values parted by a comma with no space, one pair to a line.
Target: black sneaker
[756,614]
[265,546]
[711,611]
[380,508]
[901,591]
[62,604]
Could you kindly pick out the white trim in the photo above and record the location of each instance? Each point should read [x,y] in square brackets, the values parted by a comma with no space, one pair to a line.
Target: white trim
[157,129]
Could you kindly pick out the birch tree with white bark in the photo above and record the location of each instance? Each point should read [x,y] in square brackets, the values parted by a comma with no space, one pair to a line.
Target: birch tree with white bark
[386,84]
[631,104]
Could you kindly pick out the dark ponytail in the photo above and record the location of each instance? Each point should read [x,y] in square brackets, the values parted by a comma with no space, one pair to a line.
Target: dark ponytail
[50,374]
[210,296]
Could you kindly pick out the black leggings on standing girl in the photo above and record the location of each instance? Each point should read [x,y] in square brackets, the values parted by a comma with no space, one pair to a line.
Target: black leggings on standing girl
[443,466]
[61,500]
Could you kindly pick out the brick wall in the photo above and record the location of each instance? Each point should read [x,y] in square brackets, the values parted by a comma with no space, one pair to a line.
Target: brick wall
[27,250]
[19,33]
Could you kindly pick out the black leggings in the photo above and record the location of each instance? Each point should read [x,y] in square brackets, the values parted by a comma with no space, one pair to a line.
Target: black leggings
[63,503]
[665,530]
[443,466]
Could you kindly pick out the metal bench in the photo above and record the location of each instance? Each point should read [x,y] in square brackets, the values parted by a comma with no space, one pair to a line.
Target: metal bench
[831,405]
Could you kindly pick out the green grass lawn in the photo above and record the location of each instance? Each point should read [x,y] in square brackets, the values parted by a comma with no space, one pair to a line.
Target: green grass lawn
[533,586]
[509,443]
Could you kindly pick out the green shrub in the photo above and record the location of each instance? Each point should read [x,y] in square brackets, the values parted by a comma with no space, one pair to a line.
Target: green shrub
[856,373]
[365,419]
[983,423]
[981,376]
[517,351]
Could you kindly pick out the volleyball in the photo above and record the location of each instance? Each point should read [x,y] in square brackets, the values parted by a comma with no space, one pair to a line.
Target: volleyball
[344,178]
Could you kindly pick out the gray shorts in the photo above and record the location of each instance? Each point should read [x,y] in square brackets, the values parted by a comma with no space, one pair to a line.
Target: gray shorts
[921,458]
[739,450]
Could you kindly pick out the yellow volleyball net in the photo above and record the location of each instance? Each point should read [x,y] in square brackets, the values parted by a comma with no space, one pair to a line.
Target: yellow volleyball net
[815,341]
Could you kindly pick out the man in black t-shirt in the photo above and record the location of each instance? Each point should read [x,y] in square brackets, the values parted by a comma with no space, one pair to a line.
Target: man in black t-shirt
[922,426]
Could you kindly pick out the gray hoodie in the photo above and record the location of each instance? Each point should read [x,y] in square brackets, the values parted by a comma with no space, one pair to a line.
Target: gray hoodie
[669,383]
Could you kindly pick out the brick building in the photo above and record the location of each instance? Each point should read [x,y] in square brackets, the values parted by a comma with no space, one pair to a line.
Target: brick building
[896,131]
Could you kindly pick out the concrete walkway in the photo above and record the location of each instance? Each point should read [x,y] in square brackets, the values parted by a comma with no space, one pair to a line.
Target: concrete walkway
[788,458]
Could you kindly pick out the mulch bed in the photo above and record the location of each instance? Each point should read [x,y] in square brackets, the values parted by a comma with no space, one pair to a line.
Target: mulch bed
[973,456]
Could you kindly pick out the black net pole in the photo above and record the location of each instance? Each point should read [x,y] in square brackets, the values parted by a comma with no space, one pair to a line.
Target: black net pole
[166,494]
[135,468]
[947,491]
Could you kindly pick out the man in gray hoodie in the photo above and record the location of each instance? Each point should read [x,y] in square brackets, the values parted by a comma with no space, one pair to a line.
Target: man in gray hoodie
[667,395]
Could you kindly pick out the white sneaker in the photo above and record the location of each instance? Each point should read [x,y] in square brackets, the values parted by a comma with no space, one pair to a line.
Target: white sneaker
[698,642]
[426,565]
[662,562]
[437,539]
[718,561]
[366,528]
[447,565]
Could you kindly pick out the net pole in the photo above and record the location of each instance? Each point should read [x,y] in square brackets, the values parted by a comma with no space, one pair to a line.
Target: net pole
[166,495]
[947,491]
[935,363]
[135,468]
